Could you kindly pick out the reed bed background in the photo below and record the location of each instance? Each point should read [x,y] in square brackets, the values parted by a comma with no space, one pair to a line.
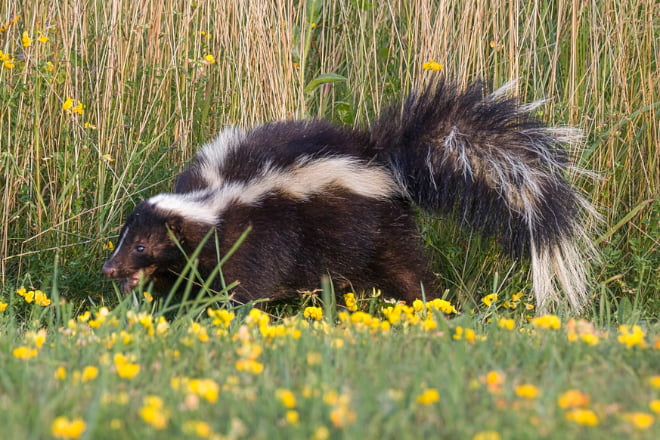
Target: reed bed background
[158,78]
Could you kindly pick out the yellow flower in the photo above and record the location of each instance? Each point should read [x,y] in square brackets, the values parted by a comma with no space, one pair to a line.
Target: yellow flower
[655,406]
[89,373]
[124,368]
[78,108]
[487,435]
[205,388]
[432,65]
[41,299]
[351,302]
[24,352]
[465,333]
[49,66]
[42,38]
[547,322]
[210,59]
[631,336]
[573,399]
[493,381]
[314,313]
[286,397]
[68,104]
[321,433]
[527,391]
[440,304]
[62,427]
[37,338]
[148,296]
[89,126]
[489,299]
[292,417]
[429,396]
[639,420]
[582,416]
[26,40]
[28,296]
[9,63]
[508,324]
[197,428]
[221,317]
[153,412]
[3,306]
[249,366]
[60,373]
[199,331]
[654,381]
[128,371]
[589,338]
[342,415]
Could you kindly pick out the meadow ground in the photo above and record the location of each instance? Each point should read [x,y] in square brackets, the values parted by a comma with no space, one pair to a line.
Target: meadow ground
[102,102]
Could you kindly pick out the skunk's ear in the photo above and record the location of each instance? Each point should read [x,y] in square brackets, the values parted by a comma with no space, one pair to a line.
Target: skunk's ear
[176,224]
[187,231]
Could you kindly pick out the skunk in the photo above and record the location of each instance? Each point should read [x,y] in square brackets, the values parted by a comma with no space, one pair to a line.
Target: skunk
[326,200]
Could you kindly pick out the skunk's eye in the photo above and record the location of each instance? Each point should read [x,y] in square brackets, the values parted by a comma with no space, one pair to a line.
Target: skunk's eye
[140,248]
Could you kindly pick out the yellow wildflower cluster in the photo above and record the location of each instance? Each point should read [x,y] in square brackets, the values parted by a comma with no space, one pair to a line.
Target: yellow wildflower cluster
[419,314]
[527,391]
[547,322]
[65,428]
[154,413]
[288,401]
[7,60]
[506,323]
[314,313]
[341,413]
[576,404]
[36,296]
[428,396]
[432,65]
[581,330]
[639,420]
[487,435]
[631,336]
[582,416]
[124,366]
[351,302]
[152,327]
[494,381]
[490,299]
[71,105]
[33,343]
[207,389]
[514,302]
[197,428]
[7,24]
[467,334]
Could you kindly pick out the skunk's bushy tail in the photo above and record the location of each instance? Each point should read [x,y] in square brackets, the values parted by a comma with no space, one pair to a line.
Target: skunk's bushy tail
[486,159]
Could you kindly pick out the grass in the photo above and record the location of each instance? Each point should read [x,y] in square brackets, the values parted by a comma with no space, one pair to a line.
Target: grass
[158,78]
[398,372]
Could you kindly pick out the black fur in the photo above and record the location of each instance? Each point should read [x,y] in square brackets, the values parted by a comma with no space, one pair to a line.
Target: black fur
[481,157]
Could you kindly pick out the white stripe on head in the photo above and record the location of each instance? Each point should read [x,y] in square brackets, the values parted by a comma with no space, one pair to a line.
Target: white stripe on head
[192,205]
[121,242]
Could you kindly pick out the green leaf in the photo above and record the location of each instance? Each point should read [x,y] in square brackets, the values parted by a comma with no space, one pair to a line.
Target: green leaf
[325,78]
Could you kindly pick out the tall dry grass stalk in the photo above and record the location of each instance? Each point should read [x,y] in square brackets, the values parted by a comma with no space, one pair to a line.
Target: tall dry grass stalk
[151,96]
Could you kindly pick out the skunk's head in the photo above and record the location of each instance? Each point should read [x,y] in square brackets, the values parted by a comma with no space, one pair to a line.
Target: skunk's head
[150,244]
